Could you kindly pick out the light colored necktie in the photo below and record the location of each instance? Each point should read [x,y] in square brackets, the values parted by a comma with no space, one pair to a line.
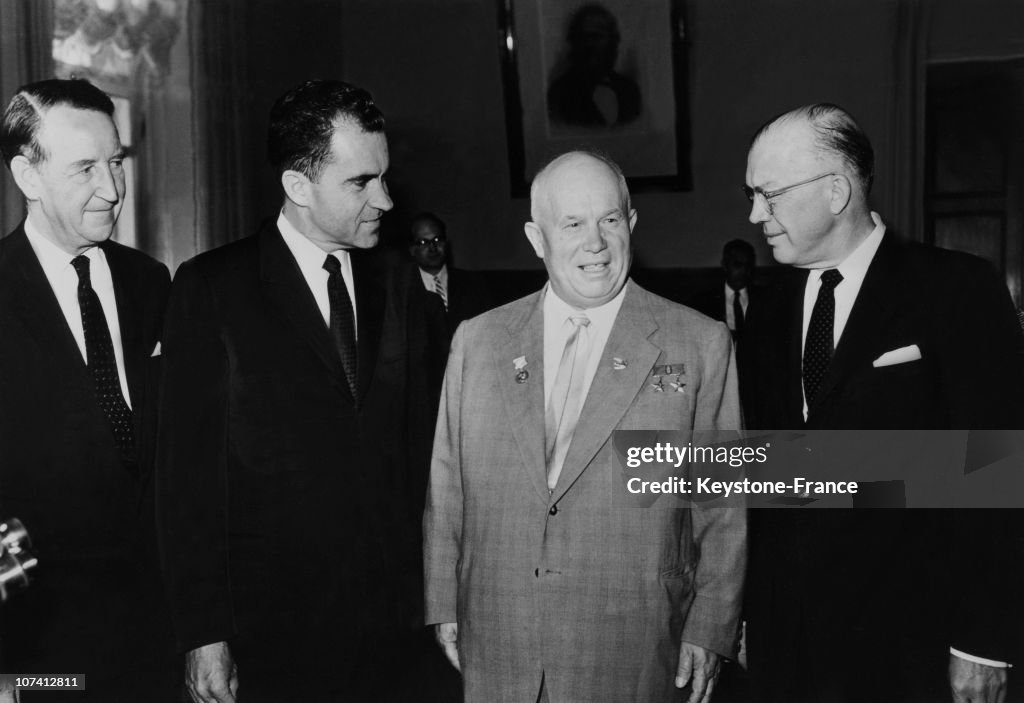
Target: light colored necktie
[567,396]
[439,289]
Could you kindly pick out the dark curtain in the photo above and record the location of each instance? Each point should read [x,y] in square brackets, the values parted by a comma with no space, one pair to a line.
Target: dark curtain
[26,39]
[218,60]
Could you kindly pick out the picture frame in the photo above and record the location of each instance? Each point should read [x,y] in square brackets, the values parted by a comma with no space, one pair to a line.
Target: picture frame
[608,75]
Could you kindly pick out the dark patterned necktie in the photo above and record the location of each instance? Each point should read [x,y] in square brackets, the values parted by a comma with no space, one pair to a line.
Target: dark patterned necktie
[343,324]
[820,332]
[737,312]
[99,352]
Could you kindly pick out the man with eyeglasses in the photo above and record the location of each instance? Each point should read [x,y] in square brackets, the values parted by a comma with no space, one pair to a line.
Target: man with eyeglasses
[874,333]
[464,295]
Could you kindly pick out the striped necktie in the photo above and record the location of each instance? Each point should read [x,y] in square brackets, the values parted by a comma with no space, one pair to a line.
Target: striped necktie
[440,289]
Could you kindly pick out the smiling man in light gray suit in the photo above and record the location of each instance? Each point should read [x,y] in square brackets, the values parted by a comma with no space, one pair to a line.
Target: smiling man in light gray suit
[539,586]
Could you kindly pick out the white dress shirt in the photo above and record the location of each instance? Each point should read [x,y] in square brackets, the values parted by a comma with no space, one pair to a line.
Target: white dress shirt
[428,279]
[310,259]
[63,280]
[556,333]
[853,269]
[730,296]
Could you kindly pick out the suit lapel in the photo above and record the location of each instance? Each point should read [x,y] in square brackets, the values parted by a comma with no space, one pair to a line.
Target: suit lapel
[876,303]
[613,390]
[794,316]
[286,289]
[35,302]
[525,401]
[369,301]
[720,303]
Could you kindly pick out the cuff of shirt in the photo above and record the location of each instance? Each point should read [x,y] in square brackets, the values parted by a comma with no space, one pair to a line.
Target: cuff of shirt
[980,660]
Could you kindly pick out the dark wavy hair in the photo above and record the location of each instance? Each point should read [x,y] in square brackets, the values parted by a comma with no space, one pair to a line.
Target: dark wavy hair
[303,120]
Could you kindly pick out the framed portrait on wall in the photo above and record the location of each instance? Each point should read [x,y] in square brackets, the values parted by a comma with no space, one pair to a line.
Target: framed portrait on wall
[608,75]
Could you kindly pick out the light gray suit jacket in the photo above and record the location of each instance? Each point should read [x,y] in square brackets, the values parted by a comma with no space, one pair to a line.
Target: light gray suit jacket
[594,596]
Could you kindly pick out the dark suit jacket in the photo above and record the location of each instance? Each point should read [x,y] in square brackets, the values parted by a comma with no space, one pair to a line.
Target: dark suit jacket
[61,473]
[468,297]
[711,302]
[862,577]
[283,502]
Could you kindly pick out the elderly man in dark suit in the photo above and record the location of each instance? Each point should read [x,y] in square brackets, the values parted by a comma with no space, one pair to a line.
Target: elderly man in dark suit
[874,333]
[80,318]
[293,394]
[538,584]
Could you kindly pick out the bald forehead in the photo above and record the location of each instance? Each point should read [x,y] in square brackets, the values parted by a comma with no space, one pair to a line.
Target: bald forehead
[423,226]
[787,148]
[789,134]
[568,170]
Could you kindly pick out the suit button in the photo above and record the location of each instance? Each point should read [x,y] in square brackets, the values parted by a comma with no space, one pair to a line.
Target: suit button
[554,510]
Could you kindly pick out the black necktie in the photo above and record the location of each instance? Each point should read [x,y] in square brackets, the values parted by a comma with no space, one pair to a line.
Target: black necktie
[737,312]
[343,324]
[99,352]
[819,346]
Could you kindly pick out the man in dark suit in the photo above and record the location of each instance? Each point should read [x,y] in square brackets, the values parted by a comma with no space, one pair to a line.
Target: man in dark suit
[730,301]
[80,318]
[873,333]
[463,293]
[292,417]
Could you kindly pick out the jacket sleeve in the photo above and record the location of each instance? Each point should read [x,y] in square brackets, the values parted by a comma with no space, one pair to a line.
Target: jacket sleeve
[982,366]
[719,533]
[442,519]
[191,465]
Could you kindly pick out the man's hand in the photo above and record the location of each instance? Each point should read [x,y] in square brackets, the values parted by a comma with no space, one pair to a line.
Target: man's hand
[699,667]
[447,635]
[210,674]
[8,693]
[972,682]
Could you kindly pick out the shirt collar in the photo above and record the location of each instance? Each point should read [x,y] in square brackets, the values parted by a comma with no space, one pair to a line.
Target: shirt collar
[307,254]
[855,266]
[52,258]
[442,274]
[729,292]
[558,311]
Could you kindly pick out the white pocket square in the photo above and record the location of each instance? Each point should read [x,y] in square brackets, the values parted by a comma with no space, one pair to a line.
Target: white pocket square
[898,356]
[156,351]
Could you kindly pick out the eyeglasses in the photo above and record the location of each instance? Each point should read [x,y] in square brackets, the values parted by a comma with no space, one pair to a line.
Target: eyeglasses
[432,243]
[770,195]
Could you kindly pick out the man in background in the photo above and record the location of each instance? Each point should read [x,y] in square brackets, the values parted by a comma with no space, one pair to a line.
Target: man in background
[294,418]
[540,587]
[463,293]
[874,333]
[730,302]
[80,319]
